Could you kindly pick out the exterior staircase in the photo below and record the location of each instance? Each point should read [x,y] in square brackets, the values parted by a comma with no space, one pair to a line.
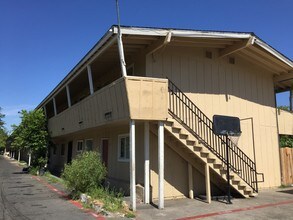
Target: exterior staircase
[192,129]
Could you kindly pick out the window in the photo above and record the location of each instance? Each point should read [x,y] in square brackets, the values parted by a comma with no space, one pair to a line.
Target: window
[89,145]
[79,146]
[123,147]
[62,149]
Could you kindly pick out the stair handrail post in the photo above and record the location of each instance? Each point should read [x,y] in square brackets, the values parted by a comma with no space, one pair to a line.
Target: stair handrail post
[228,171]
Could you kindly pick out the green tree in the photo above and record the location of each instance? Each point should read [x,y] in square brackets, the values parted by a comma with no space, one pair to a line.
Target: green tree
[3,138]
[284,107]
[3,132]
[1,119]
[31,134]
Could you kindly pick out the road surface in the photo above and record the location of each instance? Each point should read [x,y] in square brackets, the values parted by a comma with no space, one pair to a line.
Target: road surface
[22,197]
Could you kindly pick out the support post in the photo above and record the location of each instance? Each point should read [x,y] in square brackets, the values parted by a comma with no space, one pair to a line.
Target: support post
[90,77]
[54,106]
[29,159]
[18,156]
[146,163]
[190,181]
[45,111]
[121,53]
[291,99]
[228,171]
[132,166]
[161,164]
[208,186]
[68,96]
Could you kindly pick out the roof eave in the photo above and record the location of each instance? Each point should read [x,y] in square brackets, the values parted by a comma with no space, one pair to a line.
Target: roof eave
[97,46]
[274,52]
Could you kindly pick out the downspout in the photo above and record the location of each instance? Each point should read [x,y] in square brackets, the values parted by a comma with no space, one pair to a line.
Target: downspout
[278,135]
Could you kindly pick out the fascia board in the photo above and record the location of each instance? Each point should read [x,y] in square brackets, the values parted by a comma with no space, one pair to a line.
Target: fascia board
[274,52]
[179,33]
[201,34]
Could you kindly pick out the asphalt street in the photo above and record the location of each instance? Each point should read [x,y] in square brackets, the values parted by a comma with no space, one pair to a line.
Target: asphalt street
[23,197]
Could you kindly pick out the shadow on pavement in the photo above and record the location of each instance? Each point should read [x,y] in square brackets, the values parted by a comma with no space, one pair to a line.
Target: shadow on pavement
[20,172]
[290,191]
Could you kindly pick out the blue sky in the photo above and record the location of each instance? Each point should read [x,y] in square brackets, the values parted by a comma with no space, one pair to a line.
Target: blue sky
[42,40]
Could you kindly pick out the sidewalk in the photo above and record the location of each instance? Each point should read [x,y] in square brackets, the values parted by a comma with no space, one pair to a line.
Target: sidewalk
[270,204]
[24,197]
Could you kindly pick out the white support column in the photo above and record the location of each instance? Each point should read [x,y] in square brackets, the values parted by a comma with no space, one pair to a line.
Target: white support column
[121,54]
[54,105]
[208,186]
[161,163]
[29,159]
[18,156]
[132,166]
[45,110]
[190,181]
[68,96]
[146,163]
[89,73]
[291,99]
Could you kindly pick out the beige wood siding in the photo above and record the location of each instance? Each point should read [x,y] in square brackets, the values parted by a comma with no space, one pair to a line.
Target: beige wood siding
[147,98]
[285,120]
[176,172]
[217,87]
[131,97]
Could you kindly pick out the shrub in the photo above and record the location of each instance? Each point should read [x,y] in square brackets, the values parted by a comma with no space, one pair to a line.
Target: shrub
[86,172]
[112,199]
[286,141]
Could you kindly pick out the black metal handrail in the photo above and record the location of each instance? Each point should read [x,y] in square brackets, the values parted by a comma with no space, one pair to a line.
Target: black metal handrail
[193,119]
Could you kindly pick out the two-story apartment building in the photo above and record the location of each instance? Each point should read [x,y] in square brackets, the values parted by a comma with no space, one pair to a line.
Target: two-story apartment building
[152,125]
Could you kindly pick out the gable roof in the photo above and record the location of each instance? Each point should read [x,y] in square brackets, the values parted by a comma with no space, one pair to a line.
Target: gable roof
[246,44]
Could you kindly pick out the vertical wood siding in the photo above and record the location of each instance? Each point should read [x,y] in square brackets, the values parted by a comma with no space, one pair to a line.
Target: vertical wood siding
[217,87]
[285,120]
[90,112]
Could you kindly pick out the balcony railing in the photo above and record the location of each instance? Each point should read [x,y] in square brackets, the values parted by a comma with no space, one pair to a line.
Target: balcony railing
[138,98]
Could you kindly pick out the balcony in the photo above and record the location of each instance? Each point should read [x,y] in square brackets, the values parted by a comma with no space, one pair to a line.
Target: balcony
[285,121]
[131,97]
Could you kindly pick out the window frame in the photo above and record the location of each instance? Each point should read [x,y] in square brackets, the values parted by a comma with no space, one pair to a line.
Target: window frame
[123,159]
[85,146]
[79,141]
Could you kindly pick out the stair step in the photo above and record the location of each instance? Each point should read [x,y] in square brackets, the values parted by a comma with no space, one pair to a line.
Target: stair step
[236,181]
[217,165]
[176,129]
[183,136]
[211,160]
[197,148]
[253,194]
[204,154]
[192,146]
[169,122]
[241,187]
[190,142]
